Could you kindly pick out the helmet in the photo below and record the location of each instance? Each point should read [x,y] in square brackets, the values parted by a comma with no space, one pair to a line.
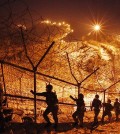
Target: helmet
[81,95]
[49,87]
[96,96]
[109,101]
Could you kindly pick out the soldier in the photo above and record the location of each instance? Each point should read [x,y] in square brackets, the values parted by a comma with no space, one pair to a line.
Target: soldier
[107,112]
[79,113]
[117,108]
[96,104]
[1,96]
[2,123]
[52,102]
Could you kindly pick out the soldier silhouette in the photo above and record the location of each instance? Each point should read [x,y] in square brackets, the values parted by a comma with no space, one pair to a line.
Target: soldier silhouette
[1,96]
[117,108]
[52,104]
[2,121]
[96,104]
[107,112]
[79,113]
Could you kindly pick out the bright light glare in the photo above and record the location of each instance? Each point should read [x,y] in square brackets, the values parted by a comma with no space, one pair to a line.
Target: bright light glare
[97,27]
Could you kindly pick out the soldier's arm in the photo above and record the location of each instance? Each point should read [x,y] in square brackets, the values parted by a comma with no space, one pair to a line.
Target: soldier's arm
[38,94]
[72,98]
[100,104]
[91,108]
[93,102]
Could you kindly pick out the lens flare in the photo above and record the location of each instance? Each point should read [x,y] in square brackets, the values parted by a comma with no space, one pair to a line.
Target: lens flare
[96,27]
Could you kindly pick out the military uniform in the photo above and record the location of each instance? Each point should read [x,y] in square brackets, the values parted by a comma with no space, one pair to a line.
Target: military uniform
[1,110]
[117,109]
[79,113]
[96,103]
[52,104]
[107,112]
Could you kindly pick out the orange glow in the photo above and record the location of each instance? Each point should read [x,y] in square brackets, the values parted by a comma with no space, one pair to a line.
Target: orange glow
[67,28]
[22,26]
[97,27]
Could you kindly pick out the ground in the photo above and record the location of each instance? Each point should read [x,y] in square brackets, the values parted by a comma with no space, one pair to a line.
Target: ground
[65,126]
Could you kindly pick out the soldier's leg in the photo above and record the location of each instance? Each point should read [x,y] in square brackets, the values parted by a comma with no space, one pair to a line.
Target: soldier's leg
[104,114]
[96,115]
[54,113]
[45,114]
[75,114]
[81,115]
[117,114]
[2,122]
[109,117]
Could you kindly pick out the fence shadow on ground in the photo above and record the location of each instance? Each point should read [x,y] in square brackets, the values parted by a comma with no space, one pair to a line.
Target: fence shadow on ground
[39,128]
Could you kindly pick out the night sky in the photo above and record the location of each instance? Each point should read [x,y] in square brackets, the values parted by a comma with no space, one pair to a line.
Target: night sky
[80,14]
